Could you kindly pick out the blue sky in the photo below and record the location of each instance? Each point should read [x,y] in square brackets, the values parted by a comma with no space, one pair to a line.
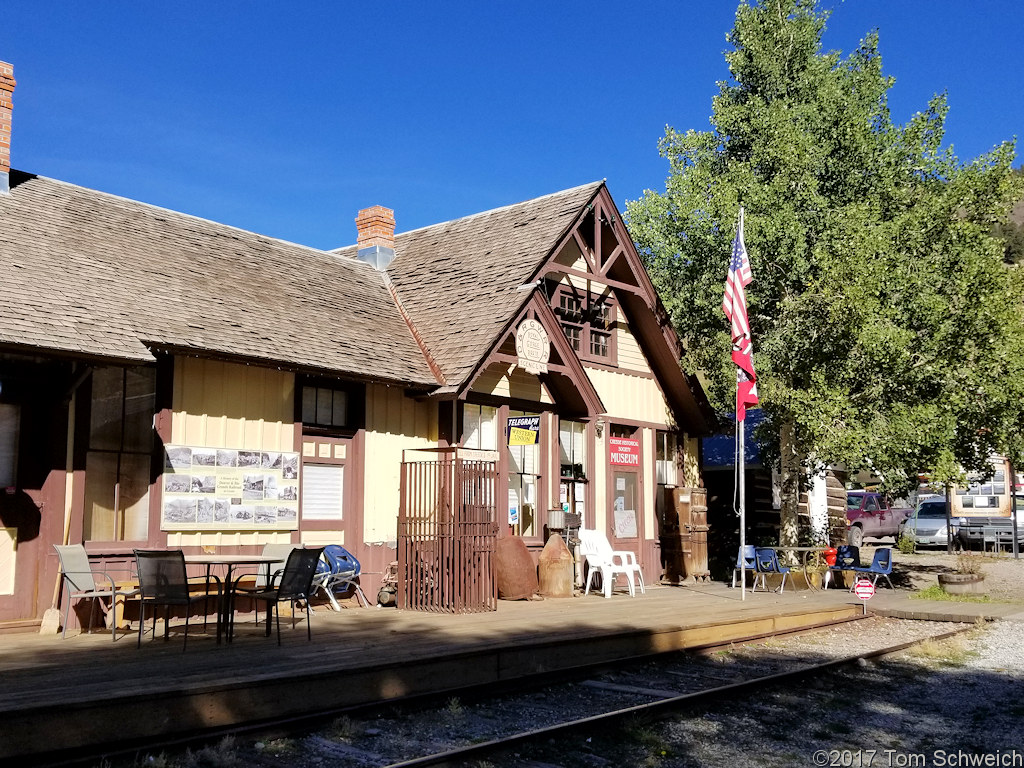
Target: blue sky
[286,118]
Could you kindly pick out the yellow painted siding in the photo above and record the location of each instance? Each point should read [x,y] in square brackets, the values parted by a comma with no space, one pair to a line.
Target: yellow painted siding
[691,467]
[580,283]
[601,489]
[636,398]
[628,353]
[393,423]
[503,380]
[649,481]
[227,405]
[8,559]
[323,538]
[215,539]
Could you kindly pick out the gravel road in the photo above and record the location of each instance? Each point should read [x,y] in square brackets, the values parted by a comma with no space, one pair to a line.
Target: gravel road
[1004,576]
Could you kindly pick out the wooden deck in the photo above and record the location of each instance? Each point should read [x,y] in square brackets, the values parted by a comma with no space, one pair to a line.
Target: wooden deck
[82,691]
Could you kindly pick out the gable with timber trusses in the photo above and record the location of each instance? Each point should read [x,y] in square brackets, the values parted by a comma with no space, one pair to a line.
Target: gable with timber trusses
[464,284]
[611,314]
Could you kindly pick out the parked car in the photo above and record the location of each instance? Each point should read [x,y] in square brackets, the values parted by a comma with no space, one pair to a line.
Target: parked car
[869,514]
[927,524]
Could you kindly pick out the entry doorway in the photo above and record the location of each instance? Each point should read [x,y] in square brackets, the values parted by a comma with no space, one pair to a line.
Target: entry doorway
[625,496]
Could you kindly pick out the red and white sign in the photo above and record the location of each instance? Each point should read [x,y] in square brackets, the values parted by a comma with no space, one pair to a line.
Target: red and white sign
[864,589]
[624,452]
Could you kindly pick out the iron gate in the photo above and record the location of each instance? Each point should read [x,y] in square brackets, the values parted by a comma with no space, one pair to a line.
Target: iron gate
[447,530]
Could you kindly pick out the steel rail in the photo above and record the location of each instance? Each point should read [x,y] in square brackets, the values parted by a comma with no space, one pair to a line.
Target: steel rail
[659,708]
[280,727]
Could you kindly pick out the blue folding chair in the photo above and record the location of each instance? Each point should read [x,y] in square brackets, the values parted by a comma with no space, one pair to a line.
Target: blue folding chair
[881,565]
[746,558]
[337,572]
[768,562]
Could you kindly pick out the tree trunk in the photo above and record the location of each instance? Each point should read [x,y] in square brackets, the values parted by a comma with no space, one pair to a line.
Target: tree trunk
[790,470]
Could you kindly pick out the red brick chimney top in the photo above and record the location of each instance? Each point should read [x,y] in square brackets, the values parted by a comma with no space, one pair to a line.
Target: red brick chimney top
[376,226]
[7,84]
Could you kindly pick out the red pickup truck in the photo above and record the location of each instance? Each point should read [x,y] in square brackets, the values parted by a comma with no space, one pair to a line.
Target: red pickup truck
[868,514]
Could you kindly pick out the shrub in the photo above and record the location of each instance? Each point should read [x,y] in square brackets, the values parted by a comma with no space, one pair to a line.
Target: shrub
[907,544]
[968,562]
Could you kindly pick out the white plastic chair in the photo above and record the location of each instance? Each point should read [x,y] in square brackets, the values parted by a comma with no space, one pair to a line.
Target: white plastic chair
[609,563]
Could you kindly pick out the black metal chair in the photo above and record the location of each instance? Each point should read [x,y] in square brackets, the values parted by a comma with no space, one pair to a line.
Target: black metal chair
[293,583]
[164,581]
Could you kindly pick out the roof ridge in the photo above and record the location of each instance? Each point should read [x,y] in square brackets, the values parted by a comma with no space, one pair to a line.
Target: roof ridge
[487,212]
[192,217]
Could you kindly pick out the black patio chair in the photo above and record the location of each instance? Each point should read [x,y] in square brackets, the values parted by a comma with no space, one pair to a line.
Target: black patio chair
[164,581]
[293,583]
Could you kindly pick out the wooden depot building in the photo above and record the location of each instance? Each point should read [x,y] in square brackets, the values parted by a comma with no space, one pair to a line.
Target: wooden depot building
[168,381]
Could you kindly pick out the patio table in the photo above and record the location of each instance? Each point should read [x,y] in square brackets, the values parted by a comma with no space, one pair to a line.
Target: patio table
[229,561]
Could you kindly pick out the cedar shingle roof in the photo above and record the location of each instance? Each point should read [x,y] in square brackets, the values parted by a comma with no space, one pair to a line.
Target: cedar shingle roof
[90,273]
[457,280]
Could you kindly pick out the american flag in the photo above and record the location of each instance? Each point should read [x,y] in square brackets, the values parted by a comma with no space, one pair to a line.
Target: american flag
[734,304]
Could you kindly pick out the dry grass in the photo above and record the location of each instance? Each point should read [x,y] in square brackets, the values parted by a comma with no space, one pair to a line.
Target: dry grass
[952,651]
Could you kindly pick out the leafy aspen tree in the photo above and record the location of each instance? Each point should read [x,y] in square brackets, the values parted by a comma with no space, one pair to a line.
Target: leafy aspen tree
[888,333]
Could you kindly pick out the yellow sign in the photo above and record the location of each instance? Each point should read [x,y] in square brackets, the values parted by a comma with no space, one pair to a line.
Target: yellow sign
[518,436]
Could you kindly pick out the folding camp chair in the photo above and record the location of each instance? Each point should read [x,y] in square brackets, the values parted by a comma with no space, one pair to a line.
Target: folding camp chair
[338,571]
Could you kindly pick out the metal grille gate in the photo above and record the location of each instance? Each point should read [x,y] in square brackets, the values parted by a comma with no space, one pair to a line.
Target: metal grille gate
[447,531]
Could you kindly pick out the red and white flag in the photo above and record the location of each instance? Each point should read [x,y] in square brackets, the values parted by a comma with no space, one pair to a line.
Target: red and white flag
[734,304]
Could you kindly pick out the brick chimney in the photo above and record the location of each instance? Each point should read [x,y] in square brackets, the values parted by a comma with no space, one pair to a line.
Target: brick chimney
[6,90]
[375,243]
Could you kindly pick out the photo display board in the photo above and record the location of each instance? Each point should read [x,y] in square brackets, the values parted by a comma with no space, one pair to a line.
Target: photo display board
[228,488]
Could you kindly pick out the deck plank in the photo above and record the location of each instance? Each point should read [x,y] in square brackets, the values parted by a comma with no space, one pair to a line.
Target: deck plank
[356,656]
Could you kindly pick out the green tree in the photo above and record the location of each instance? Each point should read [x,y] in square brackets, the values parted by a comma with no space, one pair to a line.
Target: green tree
[1011,231]
[888,334]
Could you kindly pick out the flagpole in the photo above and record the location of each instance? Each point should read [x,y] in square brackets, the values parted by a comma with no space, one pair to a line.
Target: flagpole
[734,304]
[741,482]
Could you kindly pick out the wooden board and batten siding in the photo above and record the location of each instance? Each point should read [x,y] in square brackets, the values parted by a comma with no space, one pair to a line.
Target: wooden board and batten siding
[394,423]
[633,398]
[511,381]
[228,405]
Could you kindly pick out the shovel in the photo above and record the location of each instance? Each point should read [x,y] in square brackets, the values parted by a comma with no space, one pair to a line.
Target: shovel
[50,624]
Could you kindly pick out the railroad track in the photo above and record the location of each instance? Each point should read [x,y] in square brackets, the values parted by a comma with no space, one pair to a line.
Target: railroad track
[658,708]
[637,691]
